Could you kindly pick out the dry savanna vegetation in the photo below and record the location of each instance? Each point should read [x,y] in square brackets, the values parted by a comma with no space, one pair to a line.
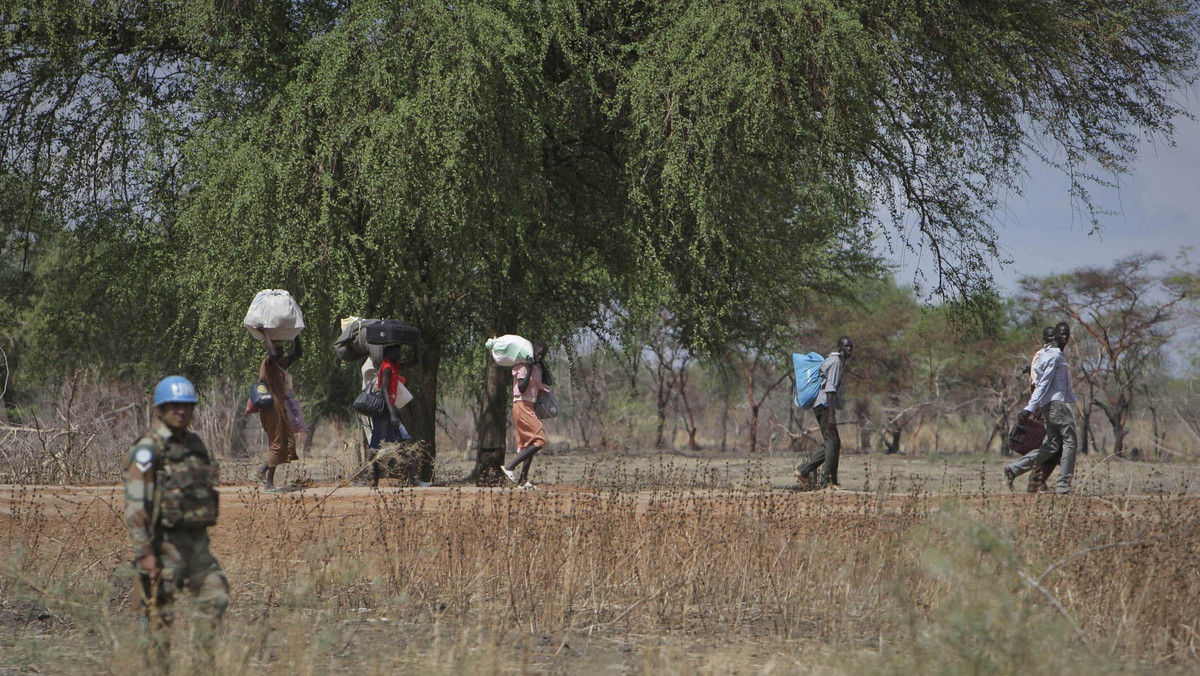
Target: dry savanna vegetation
[640,566]
[622,561]
[676,197]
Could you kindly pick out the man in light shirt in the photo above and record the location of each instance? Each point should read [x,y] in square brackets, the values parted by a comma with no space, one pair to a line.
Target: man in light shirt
[1052,396]
[1036,430]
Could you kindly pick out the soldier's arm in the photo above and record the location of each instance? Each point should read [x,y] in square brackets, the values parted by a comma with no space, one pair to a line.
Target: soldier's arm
[139,487]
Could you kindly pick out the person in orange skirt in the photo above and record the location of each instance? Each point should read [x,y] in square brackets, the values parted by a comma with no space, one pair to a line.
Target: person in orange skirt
[276,419]
[529,380]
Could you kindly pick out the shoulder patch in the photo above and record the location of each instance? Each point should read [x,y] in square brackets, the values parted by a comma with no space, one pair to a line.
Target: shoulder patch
[143,457]
[147,443]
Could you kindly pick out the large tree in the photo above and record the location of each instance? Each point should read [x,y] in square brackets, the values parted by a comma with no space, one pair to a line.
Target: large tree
[501,165]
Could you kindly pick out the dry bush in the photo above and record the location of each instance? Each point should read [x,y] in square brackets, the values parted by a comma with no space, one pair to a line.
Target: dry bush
[452,580]
[81,432]
[79,435]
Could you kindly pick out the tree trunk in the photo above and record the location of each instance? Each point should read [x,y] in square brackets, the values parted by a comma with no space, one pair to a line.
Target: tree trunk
[1157,432]
[1085,433]
[997,428]
[492,426]
[660,431]
[690,419]
[724,425]
[422,412]
[1115,420]
[753,428]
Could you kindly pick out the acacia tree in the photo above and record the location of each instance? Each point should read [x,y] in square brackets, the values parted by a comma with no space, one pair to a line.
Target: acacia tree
[1128,312]
[687,407]
[667,363]
[436,160]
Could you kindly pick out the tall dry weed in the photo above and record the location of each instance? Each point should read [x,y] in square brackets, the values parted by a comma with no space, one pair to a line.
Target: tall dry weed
[681,576]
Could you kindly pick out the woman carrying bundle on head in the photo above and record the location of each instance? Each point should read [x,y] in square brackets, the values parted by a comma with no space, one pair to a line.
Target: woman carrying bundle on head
[277,419]
[530,379]
[274,316]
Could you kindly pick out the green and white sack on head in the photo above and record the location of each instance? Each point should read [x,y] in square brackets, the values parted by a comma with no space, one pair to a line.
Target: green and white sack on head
[277,312]
[509,350]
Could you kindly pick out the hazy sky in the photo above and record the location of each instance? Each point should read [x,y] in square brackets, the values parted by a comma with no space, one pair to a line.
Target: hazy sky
[1158,207]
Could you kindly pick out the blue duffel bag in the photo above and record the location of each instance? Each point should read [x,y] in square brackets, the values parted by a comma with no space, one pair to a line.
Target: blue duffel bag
[808,377]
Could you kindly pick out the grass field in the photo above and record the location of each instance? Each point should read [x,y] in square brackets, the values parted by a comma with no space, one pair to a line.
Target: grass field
[643,564]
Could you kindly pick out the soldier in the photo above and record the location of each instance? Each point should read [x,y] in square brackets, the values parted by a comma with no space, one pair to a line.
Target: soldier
[170,501]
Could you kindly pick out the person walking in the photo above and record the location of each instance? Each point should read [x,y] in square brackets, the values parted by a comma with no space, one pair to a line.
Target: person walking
[529,380]
[1039,473]
[369,372]
[170,501]
[276,419]
[386,428]
[1052,396]
[825,407]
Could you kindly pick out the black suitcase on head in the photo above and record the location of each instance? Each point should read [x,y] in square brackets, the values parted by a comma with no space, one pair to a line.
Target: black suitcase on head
[391,336]
[391,332]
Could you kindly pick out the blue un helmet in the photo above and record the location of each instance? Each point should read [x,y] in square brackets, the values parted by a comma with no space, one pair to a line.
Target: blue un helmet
[174,389]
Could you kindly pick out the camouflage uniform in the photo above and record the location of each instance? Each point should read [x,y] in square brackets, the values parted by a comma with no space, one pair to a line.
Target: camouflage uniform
[170,501]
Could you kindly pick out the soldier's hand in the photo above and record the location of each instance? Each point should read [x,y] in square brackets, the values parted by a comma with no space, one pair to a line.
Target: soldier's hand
[148,563]
[1022,416]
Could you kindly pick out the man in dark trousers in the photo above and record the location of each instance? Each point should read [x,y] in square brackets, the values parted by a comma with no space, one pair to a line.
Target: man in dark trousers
[825,407]
[1052,397]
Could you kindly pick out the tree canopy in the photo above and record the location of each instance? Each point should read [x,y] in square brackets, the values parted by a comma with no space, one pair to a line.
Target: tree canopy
[503,165]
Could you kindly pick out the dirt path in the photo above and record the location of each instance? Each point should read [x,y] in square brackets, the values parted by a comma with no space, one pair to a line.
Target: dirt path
[89,504]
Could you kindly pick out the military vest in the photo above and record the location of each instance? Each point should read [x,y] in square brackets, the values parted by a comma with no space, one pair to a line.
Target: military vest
[186,480]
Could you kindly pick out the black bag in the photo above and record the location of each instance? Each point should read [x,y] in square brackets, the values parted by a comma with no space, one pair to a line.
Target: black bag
[260,396]
[370,402]
[397,338]
[351,344]
[546,406]
[1026,436]
[392,332]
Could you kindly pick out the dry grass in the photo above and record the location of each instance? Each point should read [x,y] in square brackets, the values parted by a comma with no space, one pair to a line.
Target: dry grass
[632,563]
[680,577]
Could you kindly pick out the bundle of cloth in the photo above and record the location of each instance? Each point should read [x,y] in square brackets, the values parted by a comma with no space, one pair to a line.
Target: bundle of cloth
[274,314]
